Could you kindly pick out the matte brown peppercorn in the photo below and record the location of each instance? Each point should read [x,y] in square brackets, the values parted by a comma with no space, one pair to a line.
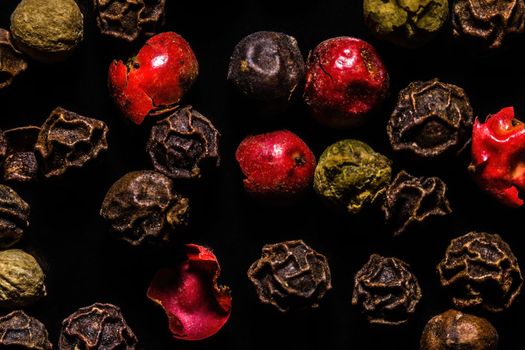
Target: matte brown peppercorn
[97,327]
[184,144]
[410,200]
[488,23]
[20,164]
[480,270]
[12,62]
[386,291]
[290,275]
[14,217]
[67,141]
[431,119]
[129,19]
[20,331]
[142,207]
[454,330]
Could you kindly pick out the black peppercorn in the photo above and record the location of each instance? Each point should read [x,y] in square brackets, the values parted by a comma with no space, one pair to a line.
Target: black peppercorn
[20,164]
[290,275]
[142,207]
[386,290]
[67,141]
[410,200]
[97,327]
[431,119]
[488,23]
[267,67]
[129,19]
[481,271]
[454,330]
[12,62]
[20,331]
[14,217]
[184,144]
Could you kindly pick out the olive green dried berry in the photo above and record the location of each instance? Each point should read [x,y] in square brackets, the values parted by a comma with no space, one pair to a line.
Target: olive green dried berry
[23,332]
[14,217]
[408,23]
[351,175]
[21,279]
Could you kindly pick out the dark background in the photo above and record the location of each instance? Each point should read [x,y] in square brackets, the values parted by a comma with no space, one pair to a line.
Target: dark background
[84,265]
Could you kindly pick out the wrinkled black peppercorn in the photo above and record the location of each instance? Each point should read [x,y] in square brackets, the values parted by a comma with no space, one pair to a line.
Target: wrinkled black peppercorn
[386,290]
[97,327]
[12,62]
[290,275]
[14,217]
[184,144]
[20,331]
[20,164]
[481,271]
[268,67]
[410,200]
[431,119]
[142,207]
[129,19]
[67,141]
[488,23]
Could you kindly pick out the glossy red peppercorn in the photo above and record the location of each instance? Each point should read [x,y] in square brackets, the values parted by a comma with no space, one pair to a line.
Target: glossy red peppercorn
[498,156]
[155,80]
[345,81]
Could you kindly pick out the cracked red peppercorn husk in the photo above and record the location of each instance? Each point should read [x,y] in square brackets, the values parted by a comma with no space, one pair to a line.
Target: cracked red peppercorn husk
[454,330]
[129,19]
[498,152]
[411,200]
[99,326]
[386,291]
[480,271]
[142,207]
[431,119]
[290,275]
[14,217]
[69,141]
[12,62]
[196,306]
[488,23]
[20,331]
[184,145]
[20,164]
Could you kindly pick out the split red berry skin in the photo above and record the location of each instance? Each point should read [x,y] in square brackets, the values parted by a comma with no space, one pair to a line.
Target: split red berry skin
[155,79]
[345,81]
[276,164]
[498,156]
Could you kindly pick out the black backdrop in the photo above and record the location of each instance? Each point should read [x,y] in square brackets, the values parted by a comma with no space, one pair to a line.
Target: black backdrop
[84,265]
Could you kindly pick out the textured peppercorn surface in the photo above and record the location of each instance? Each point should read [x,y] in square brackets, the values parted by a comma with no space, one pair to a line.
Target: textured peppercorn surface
[128,20]
[12,62]
[290,275]
[480,271]
[431,119]
[14,217]
[47,30]
[454,330]
[408,23]
[351,175]
[411,200]
[488,23]
[142,207]
[20,331]
[20,163]
[267,66]
[21,279]
[96,327]
[386,291]
[184,144]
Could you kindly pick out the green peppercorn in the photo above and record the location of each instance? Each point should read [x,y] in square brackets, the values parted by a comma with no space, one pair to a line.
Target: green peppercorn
[351,174]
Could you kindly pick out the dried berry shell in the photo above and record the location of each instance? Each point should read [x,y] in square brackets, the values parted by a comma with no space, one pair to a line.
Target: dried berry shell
[67,141]
[196,306]
[20,331]
[184,144]
[96,327]
[14,217]
[20,164]
[12,62]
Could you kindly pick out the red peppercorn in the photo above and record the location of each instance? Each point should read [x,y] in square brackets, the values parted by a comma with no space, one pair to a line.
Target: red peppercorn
[156,79]
[345,81]
[498,156]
